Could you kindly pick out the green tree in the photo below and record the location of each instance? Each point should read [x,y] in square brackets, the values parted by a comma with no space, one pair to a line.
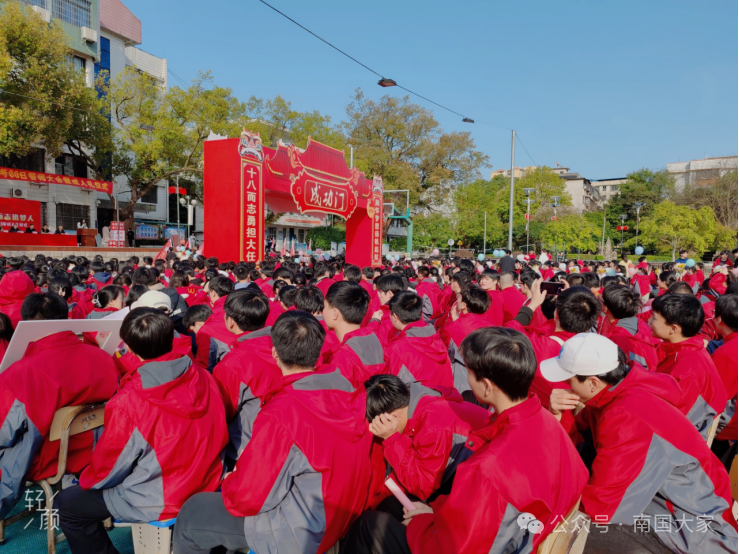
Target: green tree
[403,143]
[433,230]
[546,183]
[472,201]
[721,196]
[670,228]
[322,236]
[43,100]
[572,231]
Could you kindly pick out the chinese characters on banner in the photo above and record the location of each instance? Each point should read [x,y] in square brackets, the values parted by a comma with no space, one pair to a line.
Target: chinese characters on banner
[324,196]
[38,177]
[252,211]
[21,213]
[117,235]
[312,195]
[376,214]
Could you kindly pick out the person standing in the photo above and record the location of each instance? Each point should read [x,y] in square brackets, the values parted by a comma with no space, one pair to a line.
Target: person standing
[131,236]
[507,263]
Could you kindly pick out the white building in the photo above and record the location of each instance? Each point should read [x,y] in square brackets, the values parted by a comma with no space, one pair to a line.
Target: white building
[608,188]
[585,197]
[701,172]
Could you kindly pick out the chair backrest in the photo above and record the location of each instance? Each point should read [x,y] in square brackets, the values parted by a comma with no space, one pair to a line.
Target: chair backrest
[70,421]
[712,430]
[569,536]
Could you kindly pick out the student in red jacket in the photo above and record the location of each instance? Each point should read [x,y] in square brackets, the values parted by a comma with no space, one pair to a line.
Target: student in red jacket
[322,276]
[640,283]
[380,324]
[368,276]
[488,282]
[310,299]
[423,432]
[62,287]
[677,320]
[15,286]
[359,354]
[305,475]
[725,359]
[416,353]
[55,371]
[100,278]
[248,371]
[214,339]
[170,413]
[468,315]
[621,306]
[523,468]
[650,463]
[429,292]
[511,298]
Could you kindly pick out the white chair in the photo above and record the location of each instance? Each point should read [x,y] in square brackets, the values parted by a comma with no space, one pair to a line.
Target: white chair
[569,536]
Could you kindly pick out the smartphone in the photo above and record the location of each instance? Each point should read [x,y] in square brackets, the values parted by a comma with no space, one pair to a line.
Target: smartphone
[552,289]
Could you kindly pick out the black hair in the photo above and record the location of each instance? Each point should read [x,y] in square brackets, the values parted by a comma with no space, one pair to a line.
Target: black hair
[283,273]
[590,280]
[407,305]
[96,266]
[385,394]
[44,306]
[527,277]
[248,309]
[143,276]
[390,283]
[267,269]
[679,287]
[6,327]
[320,269]
[726,307]
[148,332]
[352,273]
[368,272]
[59,284]
[199,312]
[298,339]
[731,288]
[134,293]
[578,309]
[309,299]
[287,295]
[668,277]
[122,280]
[179,279]
[622,301]
[221,285]
[614,377]
[300,279]
[350,299]
[503,356]
[15,263]
[241,272]
[680,309]
[476,299]
[490,274]
[575,279]
[108,294]
[462,278]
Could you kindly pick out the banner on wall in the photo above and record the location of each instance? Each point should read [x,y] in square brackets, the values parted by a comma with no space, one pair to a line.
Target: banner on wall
[39,177]
[251,244]
[20,212]
[375,212]
[117,235]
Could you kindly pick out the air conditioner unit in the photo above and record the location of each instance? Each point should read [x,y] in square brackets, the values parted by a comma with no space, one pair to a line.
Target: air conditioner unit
[89,35]
[18,193]
[45,14]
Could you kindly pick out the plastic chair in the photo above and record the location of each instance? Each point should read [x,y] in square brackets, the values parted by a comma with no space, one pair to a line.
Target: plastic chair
[712,430]
[154,537]
[67,422]
[569,536]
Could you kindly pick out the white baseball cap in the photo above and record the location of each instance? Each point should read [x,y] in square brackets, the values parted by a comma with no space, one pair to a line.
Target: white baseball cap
[153,299]
[584,354]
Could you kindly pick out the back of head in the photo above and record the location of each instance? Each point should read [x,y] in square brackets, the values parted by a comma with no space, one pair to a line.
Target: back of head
[248,308]
[527,277]
[407,305]
[385,394]
[507,279]
[298,339]
[590,280]
[622,302]
[287,295]
[503,356]
[320,269]
[390,283]
[195,314]
[575,279]
[241,272]
[143,276]
[466,265]
[134,293]
[680,287]
[668,277]
[350,299]
[106,295]
[577,310]
[148,333]
[61,286]
[726,307]
[476,299]
[46,306]
[96,266]
[680,309]
[221,286]
[282,273]
[309,299]
[352,273]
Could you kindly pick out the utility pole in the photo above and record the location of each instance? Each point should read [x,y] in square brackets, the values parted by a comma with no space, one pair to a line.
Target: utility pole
[510,207]
[623,219]
[485,235]
[177,205]
[529,200]
[638,207]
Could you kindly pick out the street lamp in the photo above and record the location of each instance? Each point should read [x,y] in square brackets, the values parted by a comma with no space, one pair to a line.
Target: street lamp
[529,201]
[554,204]
[190,202]
[638,207]
[623,218]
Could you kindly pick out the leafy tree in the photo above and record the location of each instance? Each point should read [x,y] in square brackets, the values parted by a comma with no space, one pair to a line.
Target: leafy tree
[546,183]
[721,196]
[670,228]
[433,230]
[472,201]
[43,100]
[572,230]
[403,142]
[323,236]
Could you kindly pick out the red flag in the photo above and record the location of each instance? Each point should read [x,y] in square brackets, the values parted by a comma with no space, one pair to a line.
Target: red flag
[310,245]
[284,247]
[163,252]
[292,248]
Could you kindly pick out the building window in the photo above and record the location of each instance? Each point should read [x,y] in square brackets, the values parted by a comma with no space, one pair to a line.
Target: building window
[271,233]
[39,3]
[103,64]
[69,215]
[76,12]
[151,196]
[30,162]
[614,187]
[78,63]
[67,164]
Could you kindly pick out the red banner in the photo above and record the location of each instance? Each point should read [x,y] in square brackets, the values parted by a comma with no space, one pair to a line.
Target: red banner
[38,177]
[375,213]
[251,246]
[310,194]
[22,213]
[117,235]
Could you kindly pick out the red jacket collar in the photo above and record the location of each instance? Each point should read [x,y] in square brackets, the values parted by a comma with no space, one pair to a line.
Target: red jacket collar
[361,332]
[730,337]
[669,349]
[55,340]
[517,413]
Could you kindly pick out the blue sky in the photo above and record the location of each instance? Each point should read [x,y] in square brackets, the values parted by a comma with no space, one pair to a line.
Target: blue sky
[602,87]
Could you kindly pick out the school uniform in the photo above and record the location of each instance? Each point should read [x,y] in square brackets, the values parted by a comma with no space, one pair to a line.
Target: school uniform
[324,284]
[495,312]
[452,334]
[100,279]
[512,300]
[81,299]
[725,358]
[383,327]
[358,357]
[640,283]
[634,337]
[428,290]
[267,287]
[330,343]
[417,354]
[214,339]
[15,286]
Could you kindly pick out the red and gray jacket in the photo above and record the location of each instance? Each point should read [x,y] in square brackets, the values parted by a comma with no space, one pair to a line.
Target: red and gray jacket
[330,343]
[641,285]
[55,371]
[214,340]
[383,327]
[651,462]
[725,359]
[267,287]
[495,311]
[14,287]
[502,481]
[634,337]
[305,475]
[429,291]
[428,452]
[244,376]
[703,395]
[417,354]
[163,437]
[453,333]
[359,356]
[324,283]
[512,300]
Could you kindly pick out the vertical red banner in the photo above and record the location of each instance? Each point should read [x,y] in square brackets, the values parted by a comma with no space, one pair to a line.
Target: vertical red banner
[376,214]
[251,246]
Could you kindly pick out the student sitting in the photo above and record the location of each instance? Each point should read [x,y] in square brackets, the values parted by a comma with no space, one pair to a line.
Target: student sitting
[523,467]
[511,298]
[621,306]
[15,286]
[677,320]
[214,339]
[100,278]
[468,315]
[423,432]
[310,299]
[55,371]
[107,300]
[429,292]
[195,318]
[417,353]
[248,371]
[62,287]
[359,354]
[305,475]
[488,282]
[725,359]
[649,464]
[163,437]
[380,324]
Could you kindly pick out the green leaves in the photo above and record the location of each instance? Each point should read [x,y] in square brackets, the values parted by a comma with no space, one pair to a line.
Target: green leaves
[670,227]
[572,230]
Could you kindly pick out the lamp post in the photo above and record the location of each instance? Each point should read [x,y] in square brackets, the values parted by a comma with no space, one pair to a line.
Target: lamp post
[190,202]
[529,201]
[638,207]
[623,218]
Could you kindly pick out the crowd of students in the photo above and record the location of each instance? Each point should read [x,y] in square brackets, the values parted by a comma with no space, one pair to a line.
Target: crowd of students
[265,405]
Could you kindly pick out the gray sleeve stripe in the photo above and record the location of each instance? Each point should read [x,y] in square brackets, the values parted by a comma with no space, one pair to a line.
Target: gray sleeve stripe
[324,381]
[510,537]
[368,348]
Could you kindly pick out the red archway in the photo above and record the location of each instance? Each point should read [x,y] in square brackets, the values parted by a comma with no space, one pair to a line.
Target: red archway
[241,177]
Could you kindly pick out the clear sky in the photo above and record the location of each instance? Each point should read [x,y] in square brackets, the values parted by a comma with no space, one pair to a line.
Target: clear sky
[603,87]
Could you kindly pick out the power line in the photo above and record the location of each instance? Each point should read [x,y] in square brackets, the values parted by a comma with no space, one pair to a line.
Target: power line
[524,147]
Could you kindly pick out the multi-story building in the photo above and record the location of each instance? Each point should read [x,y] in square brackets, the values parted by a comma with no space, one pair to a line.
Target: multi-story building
[701,172]
[608,188]
[585,197]
[518,172]
[104,35]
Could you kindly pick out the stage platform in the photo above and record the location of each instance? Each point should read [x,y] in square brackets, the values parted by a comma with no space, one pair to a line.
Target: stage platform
[87,251]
